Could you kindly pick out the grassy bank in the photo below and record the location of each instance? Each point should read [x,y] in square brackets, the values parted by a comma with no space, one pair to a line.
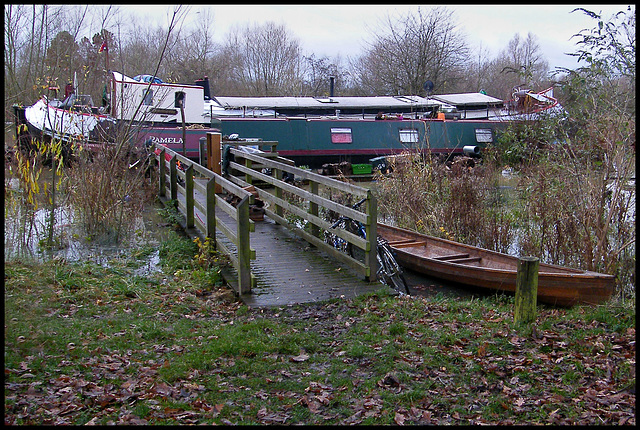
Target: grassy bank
[85,344]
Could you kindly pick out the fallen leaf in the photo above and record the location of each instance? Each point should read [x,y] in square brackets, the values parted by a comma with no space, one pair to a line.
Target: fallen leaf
[389,380]
[300,358]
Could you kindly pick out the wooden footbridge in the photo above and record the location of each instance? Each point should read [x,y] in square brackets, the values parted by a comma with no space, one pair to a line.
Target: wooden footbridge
[281,259]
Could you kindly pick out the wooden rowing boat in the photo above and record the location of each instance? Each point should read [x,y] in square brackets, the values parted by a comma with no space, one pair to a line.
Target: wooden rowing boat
[483,268]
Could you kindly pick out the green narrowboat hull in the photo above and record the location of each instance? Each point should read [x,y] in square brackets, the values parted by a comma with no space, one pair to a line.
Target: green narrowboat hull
[315,141]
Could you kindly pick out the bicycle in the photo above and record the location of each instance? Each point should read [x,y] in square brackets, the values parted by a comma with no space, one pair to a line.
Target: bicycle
[389,271]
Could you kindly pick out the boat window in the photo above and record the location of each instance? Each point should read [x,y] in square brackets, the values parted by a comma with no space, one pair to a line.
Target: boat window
[484,135]
[147,96]
[341,135]
[180,99]
[408,135]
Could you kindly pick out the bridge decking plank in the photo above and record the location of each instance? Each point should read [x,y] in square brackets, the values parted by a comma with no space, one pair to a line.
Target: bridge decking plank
[290,271]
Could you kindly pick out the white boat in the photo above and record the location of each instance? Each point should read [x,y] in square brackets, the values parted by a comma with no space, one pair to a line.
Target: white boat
[143,101]
[160,103]
[528,105]
[74,119]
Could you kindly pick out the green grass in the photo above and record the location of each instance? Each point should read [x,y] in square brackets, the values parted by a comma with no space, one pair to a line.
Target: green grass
[87,343]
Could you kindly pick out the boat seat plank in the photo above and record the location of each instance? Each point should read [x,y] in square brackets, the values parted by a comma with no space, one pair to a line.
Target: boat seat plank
[408,244]
[400,242]
[451,257]
[466,260]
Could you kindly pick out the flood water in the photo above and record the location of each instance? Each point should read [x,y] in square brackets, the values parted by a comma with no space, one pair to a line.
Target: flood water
[24,234]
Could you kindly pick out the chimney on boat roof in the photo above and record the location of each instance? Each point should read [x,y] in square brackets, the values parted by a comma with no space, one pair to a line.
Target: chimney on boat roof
[204,83]
[332,80]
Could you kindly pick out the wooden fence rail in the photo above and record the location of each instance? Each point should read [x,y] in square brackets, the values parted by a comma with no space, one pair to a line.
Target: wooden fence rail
[196,189]
[250,165]
[197,178]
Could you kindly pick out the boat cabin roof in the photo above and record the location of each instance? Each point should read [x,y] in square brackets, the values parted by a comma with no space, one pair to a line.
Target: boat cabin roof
[324,102]
[371,104]
[466,100]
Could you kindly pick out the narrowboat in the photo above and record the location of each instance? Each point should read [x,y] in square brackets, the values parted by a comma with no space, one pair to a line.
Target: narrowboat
[315,141]
[317,130]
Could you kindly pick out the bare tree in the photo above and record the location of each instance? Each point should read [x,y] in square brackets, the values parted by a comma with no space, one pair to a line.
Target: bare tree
[15,16]
[479,72]
[75,19]
[139,50]
[265,60]
[193,54]
[61,55]
[318,73]
[27,33]
[414,48]
[520,64]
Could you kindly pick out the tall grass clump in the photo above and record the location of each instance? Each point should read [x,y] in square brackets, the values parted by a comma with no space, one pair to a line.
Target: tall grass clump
[580,202]
[451,200]
[38,168]
[107,194]
[572,201]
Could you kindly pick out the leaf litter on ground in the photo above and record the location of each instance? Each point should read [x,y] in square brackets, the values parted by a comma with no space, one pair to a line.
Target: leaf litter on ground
[88,353]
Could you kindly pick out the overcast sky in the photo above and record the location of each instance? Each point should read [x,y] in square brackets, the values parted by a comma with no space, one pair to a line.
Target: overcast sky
[331,30]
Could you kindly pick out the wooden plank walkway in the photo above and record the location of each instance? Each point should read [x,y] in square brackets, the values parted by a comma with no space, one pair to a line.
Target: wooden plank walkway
[290,271]
[287,269]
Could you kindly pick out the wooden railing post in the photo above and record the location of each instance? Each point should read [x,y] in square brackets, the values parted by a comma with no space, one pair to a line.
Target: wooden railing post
[248,178]
[189,197]
[202,150]
[162,161]
[211,209]
[244,249]
[370,255]
[277,173]
[173,181]
[526,290]
[313,208]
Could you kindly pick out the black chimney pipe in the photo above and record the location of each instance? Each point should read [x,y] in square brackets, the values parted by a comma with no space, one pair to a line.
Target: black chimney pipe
[331,82]
[204,83]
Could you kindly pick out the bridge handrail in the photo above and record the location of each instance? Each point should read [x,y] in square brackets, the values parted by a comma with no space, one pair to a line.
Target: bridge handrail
[304,174]
[368,218]
[211,223]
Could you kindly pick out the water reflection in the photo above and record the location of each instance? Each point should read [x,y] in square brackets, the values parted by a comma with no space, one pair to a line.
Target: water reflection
[26,233]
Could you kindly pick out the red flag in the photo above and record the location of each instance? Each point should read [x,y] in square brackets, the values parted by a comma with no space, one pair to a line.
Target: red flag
[103,47]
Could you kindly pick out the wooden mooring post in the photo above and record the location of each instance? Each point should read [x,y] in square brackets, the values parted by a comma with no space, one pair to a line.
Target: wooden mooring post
[526,290]
[214,156]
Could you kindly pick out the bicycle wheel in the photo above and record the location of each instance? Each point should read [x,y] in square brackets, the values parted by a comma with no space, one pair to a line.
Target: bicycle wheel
[390,271]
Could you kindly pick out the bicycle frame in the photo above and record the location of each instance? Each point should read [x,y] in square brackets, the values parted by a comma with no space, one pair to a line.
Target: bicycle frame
[389,270]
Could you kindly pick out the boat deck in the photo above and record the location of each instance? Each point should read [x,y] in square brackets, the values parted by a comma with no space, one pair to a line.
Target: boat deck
[424,249]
